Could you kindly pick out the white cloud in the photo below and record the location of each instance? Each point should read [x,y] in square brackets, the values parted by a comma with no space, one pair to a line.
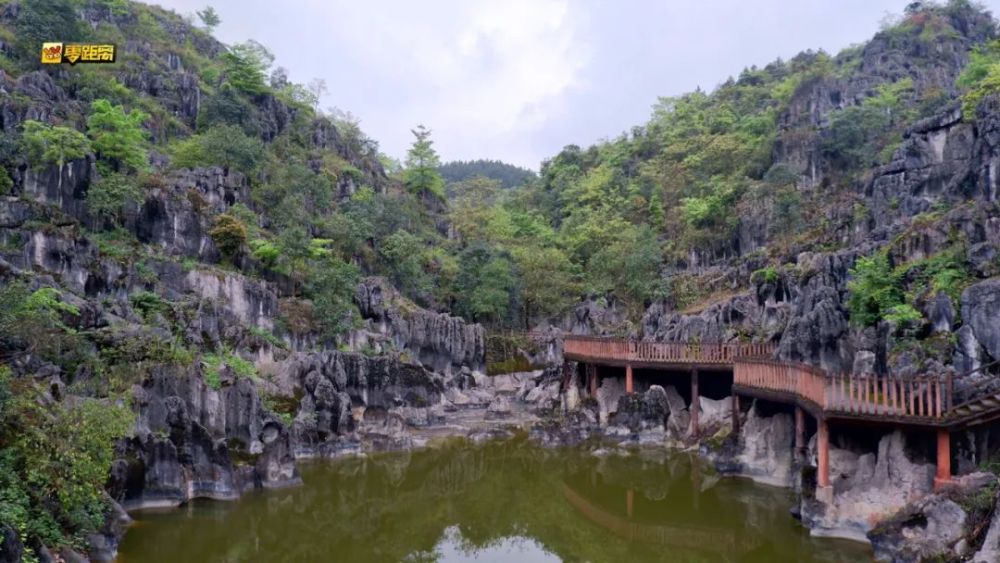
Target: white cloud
[482,75]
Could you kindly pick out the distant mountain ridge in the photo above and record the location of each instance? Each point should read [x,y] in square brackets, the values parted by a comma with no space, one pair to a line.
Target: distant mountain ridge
[507,174]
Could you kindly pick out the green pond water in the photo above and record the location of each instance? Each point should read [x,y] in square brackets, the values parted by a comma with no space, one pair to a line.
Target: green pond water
[504,502]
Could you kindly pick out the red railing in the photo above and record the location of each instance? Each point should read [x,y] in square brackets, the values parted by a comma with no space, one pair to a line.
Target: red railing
[922,397]
[598,348]
[927,397]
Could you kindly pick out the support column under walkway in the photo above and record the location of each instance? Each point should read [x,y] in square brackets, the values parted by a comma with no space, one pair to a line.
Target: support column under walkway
[695,403]
[943,477]
[824,492]
[800,433]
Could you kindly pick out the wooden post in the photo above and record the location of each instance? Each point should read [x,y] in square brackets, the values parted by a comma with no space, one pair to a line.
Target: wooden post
[629,502]
[800,432]
[824,492]
[629,388]
[736,413]
[695,403]
[943,477]
[592,379]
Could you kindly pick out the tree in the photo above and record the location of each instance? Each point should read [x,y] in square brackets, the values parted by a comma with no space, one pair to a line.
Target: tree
[245,67]
[209,18]
[548,282]
[421,175]
[331,284]
[229,235]
[630,267]
[118,137]
[472,207]
[45,144]
[228,107]
[39,21]
[874,290]
[108,196]
[401,252]
[296,250]
[226,146]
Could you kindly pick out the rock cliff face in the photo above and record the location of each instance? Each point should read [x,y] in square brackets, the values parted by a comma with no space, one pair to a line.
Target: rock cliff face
[192,441]
[869,487]
[442,342]
[938,193]
[886,58]
[336,399]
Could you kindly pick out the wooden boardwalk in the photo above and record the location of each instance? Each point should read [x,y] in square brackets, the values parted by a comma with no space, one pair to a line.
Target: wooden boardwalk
[924,402]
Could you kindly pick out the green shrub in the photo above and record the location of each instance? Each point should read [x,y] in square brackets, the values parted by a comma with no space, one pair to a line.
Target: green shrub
[54,461]
[118,137]
[903,314]
[148,303]
[768,274]
[229,235]
[6,184]
[213,363]
[874,290]
[46,145]
[108,197]
[265,251]
[981,77]
[226,146]
[267,336]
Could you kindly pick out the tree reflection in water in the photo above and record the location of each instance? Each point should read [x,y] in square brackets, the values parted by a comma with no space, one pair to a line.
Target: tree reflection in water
[500,501]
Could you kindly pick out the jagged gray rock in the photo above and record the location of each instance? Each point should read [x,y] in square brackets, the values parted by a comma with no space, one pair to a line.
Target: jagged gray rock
[194,441]
[441,342]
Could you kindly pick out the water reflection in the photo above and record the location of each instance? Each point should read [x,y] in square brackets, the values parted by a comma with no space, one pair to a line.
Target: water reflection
[507,501]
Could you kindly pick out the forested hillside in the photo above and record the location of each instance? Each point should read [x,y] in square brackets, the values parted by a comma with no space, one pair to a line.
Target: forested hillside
[507,174]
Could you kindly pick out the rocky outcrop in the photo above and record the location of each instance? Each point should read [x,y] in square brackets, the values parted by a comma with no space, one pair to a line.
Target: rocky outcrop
[868,488]
[195,441]
[596,316]
[439,341]
[890,56]
[764,448]
[980,311]
[925,531]
[720,322]
[330,393]
[645,411]
[176,216]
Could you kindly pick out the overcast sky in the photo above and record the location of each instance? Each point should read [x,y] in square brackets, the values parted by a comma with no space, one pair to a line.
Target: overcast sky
[519,79]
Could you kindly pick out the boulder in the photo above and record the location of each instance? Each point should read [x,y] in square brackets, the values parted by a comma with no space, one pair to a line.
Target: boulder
[642,411]
[608,394]
[928,530]
[714,413]
[766,448]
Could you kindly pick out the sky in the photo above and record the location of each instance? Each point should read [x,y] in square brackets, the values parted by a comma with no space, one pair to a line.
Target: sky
[517,80]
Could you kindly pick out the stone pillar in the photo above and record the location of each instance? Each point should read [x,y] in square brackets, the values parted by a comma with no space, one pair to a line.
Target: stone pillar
[824,492]
[695,403]
[736,413]
[800,433]
[592,379]
[629,387]
[943,476]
